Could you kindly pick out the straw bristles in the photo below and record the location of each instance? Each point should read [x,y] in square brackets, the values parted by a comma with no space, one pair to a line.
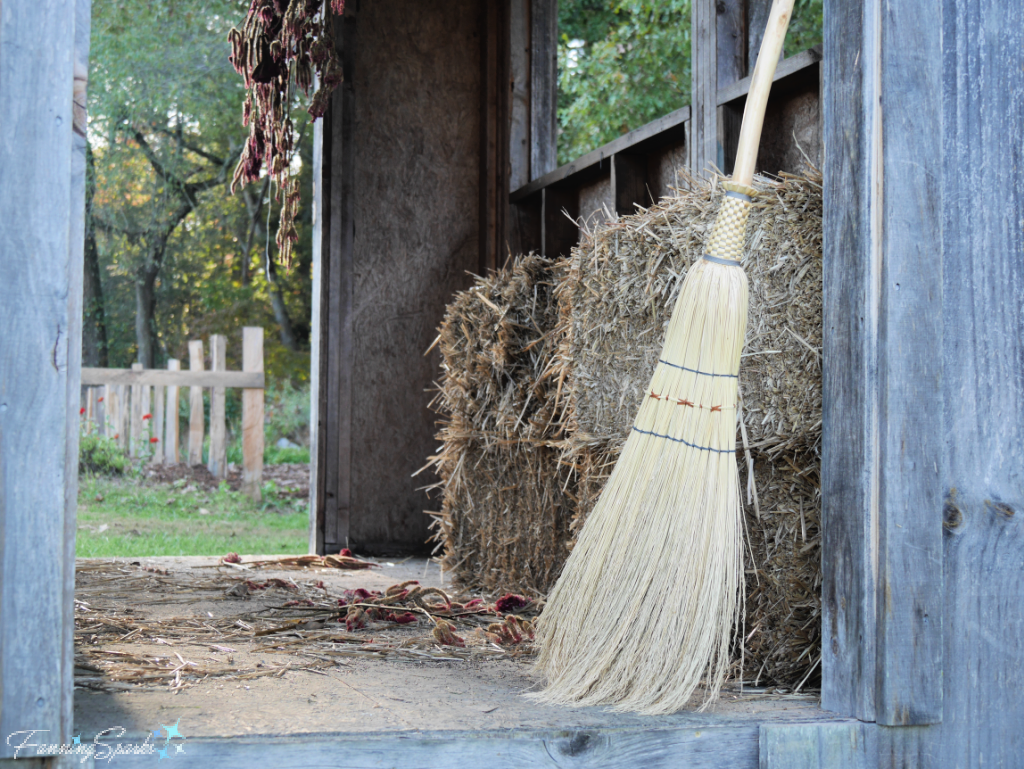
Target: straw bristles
[646,603]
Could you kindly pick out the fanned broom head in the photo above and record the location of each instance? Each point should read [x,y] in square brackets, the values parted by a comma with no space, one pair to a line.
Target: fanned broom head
[645,608]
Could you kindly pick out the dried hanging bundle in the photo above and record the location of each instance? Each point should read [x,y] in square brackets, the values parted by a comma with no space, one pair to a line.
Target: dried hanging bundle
[281,40]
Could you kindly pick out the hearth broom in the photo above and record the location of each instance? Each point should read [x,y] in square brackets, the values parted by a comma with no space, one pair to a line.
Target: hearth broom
[646,606]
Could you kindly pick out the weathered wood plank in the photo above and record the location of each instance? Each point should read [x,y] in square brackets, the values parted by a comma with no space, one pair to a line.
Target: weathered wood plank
[196,417]
[667,129]
[252,416]
[787,68]
[171,455]
[883,342]
[519,131]
[704,87]
[911,439]
[495,105]
[543,87]
[849,453]
[173,377]
[216,460]
[727,747]
[40,312]
[983,378]
[846,745]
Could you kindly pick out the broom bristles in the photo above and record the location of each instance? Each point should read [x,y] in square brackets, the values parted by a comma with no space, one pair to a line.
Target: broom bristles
[646,604]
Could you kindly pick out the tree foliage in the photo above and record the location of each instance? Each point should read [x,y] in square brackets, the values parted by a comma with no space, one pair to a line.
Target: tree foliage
[624,63]
[178,256]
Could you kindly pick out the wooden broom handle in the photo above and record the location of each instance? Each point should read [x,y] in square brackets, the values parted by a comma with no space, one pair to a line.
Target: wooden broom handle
[760,85]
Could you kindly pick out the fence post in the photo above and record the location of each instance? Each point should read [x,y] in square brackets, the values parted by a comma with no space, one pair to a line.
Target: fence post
[136,420]
[147,424]
[195,406]
[252,415]
[157,424]
[217,459]
[101,409]
[171,418]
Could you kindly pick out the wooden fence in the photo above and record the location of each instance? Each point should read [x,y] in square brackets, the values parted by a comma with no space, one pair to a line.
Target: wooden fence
[139,407]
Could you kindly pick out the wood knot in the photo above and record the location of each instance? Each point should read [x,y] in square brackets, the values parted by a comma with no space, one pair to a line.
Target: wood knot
[1000,507]
[951,515]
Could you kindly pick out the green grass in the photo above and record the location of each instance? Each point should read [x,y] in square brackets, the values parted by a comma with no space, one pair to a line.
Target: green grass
[148,520]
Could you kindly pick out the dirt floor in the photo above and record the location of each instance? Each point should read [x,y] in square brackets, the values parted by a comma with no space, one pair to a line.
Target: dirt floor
[240,650]
[292,480]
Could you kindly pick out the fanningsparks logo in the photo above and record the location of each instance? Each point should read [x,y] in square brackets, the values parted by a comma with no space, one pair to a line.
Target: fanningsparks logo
[165,742]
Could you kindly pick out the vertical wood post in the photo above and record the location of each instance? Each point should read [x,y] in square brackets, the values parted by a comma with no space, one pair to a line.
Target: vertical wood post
[41,211]
[170,438]
[217,462]
[519,135]
[543,87]
[135,431]
[252,415]
[195,405]
[158,425]
[703,145]
[147,421]
[883,438]
[101,409]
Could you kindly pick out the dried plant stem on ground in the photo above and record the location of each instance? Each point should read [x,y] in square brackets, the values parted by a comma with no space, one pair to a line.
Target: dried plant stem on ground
[122,641]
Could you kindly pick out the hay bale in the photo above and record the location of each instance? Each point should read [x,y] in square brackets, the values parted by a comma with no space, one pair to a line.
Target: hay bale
[782,618]
[545,359]
[506,504]
[622,283]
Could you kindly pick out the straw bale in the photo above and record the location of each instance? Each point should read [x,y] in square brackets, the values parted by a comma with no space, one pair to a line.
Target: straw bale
[506,504]
[622,284]
[782,622]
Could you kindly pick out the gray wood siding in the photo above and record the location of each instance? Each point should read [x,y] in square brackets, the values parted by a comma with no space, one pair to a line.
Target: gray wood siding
[983,340]
[41,207]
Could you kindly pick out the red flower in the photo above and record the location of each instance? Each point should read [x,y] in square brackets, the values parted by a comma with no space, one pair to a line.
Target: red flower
[100,400]
[81,411]
[116,436]
[154,439]
[147,416]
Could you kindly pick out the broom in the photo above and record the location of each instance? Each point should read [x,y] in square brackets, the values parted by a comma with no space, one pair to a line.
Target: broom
[646,604]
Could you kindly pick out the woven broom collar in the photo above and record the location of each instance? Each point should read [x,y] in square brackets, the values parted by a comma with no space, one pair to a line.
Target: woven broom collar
[731,224]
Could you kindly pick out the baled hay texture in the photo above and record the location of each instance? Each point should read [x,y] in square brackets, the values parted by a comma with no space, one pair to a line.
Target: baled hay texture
[505,514]
[783,606]
[644,610]
[622,283]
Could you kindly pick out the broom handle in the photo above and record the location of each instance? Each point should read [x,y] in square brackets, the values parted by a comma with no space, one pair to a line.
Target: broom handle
[760,85]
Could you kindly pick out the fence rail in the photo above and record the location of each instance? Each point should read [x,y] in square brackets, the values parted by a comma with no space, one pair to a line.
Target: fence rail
[139,407]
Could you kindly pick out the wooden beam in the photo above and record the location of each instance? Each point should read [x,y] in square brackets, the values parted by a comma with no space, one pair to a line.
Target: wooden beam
[495,106]
[882,443]
[520,72]
[668,129]
[42,174]
[543,87]
[173,377]
[704,87]
[845,745]
[157,424]
[795,66]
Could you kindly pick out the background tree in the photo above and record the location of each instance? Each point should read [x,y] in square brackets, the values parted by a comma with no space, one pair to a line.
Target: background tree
[623,63]
[176,256]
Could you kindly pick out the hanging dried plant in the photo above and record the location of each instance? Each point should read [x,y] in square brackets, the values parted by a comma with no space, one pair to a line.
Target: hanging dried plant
[281,42]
